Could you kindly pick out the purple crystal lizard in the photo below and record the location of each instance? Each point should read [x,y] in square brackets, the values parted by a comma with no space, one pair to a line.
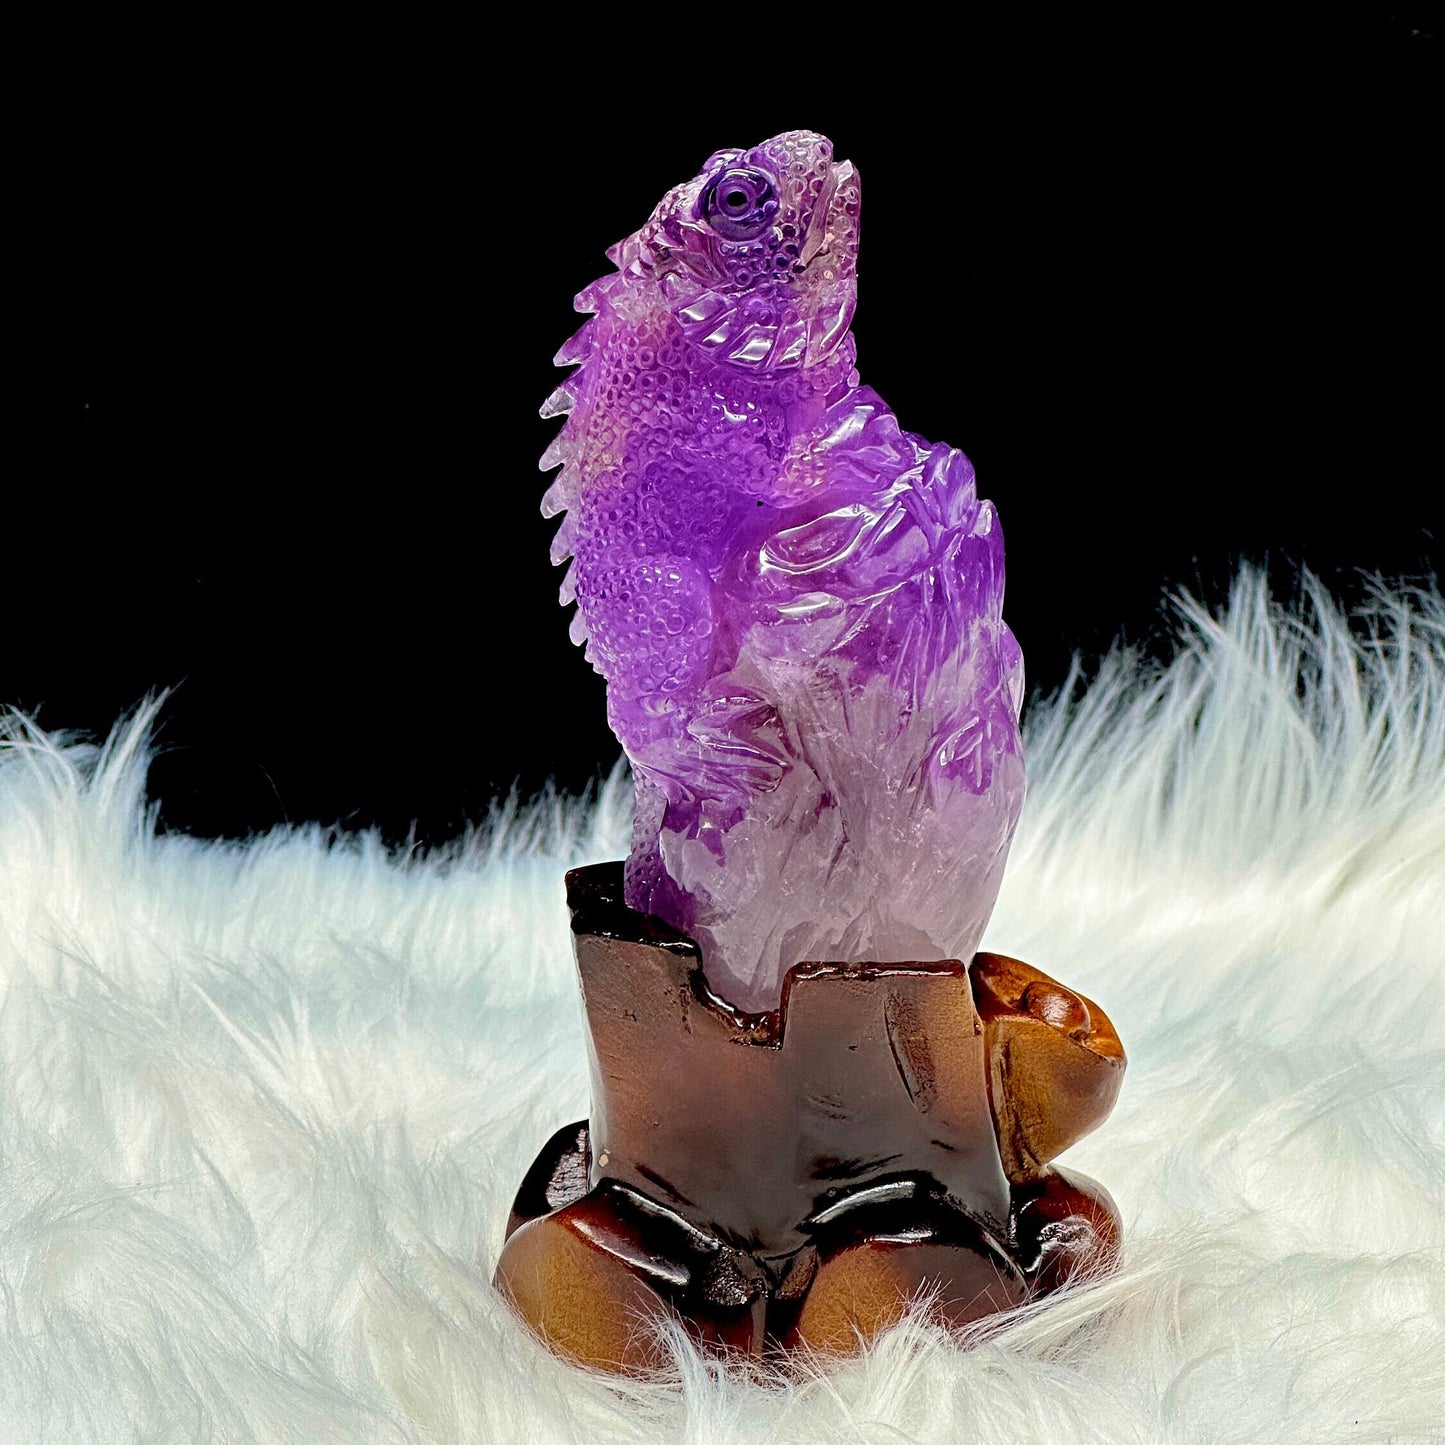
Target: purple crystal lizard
[795,603]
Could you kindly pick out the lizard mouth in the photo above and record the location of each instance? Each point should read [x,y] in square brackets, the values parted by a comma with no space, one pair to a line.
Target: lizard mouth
[824,227]
[830,255]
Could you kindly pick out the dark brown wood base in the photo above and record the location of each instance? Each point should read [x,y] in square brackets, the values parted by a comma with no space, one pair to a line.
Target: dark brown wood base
[794,1180]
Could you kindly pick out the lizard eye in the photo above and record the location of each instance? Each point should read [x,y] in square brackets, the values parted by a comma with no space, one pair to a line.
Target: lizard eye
[741,203]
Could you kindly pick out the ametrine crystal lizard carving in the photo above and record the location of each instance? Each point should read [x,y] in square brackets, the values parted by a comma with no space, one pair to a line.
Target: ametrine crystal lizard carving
[796,604]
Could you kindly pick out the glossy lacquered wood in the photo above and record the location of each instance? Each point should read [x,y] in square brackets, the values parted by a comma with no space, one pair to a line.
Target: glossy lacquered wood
[791,1180]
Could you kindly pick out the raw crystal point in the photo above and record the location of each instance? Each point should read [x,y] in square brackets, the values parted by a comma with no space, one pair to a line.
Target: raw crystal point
[795,603]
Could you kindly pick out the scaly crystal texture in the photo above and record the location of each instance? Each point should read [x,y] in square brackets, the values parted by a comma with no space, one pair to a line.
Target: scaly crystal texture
[795,603]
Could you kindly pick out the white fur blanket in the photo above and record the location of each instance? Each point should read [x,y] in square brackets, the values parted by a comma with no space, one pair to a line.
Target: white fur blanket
[264,1105]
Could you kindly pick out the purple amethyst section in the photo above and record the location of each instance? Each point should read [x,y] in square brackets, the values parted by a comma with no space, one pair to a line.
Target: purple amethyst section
[795,603]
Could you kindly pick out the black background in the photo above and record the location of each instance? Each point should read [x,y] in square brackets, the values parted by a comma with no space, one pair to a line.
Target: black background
[1173,289]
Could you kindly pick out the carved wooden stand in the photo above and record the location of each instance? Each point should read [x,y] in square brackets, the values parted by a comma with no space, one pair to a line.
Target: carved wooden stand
[792,1179]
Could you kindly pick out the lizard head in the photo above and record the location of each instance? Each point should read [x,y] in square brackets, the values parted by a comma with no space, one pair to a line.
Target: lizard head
[756,256]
